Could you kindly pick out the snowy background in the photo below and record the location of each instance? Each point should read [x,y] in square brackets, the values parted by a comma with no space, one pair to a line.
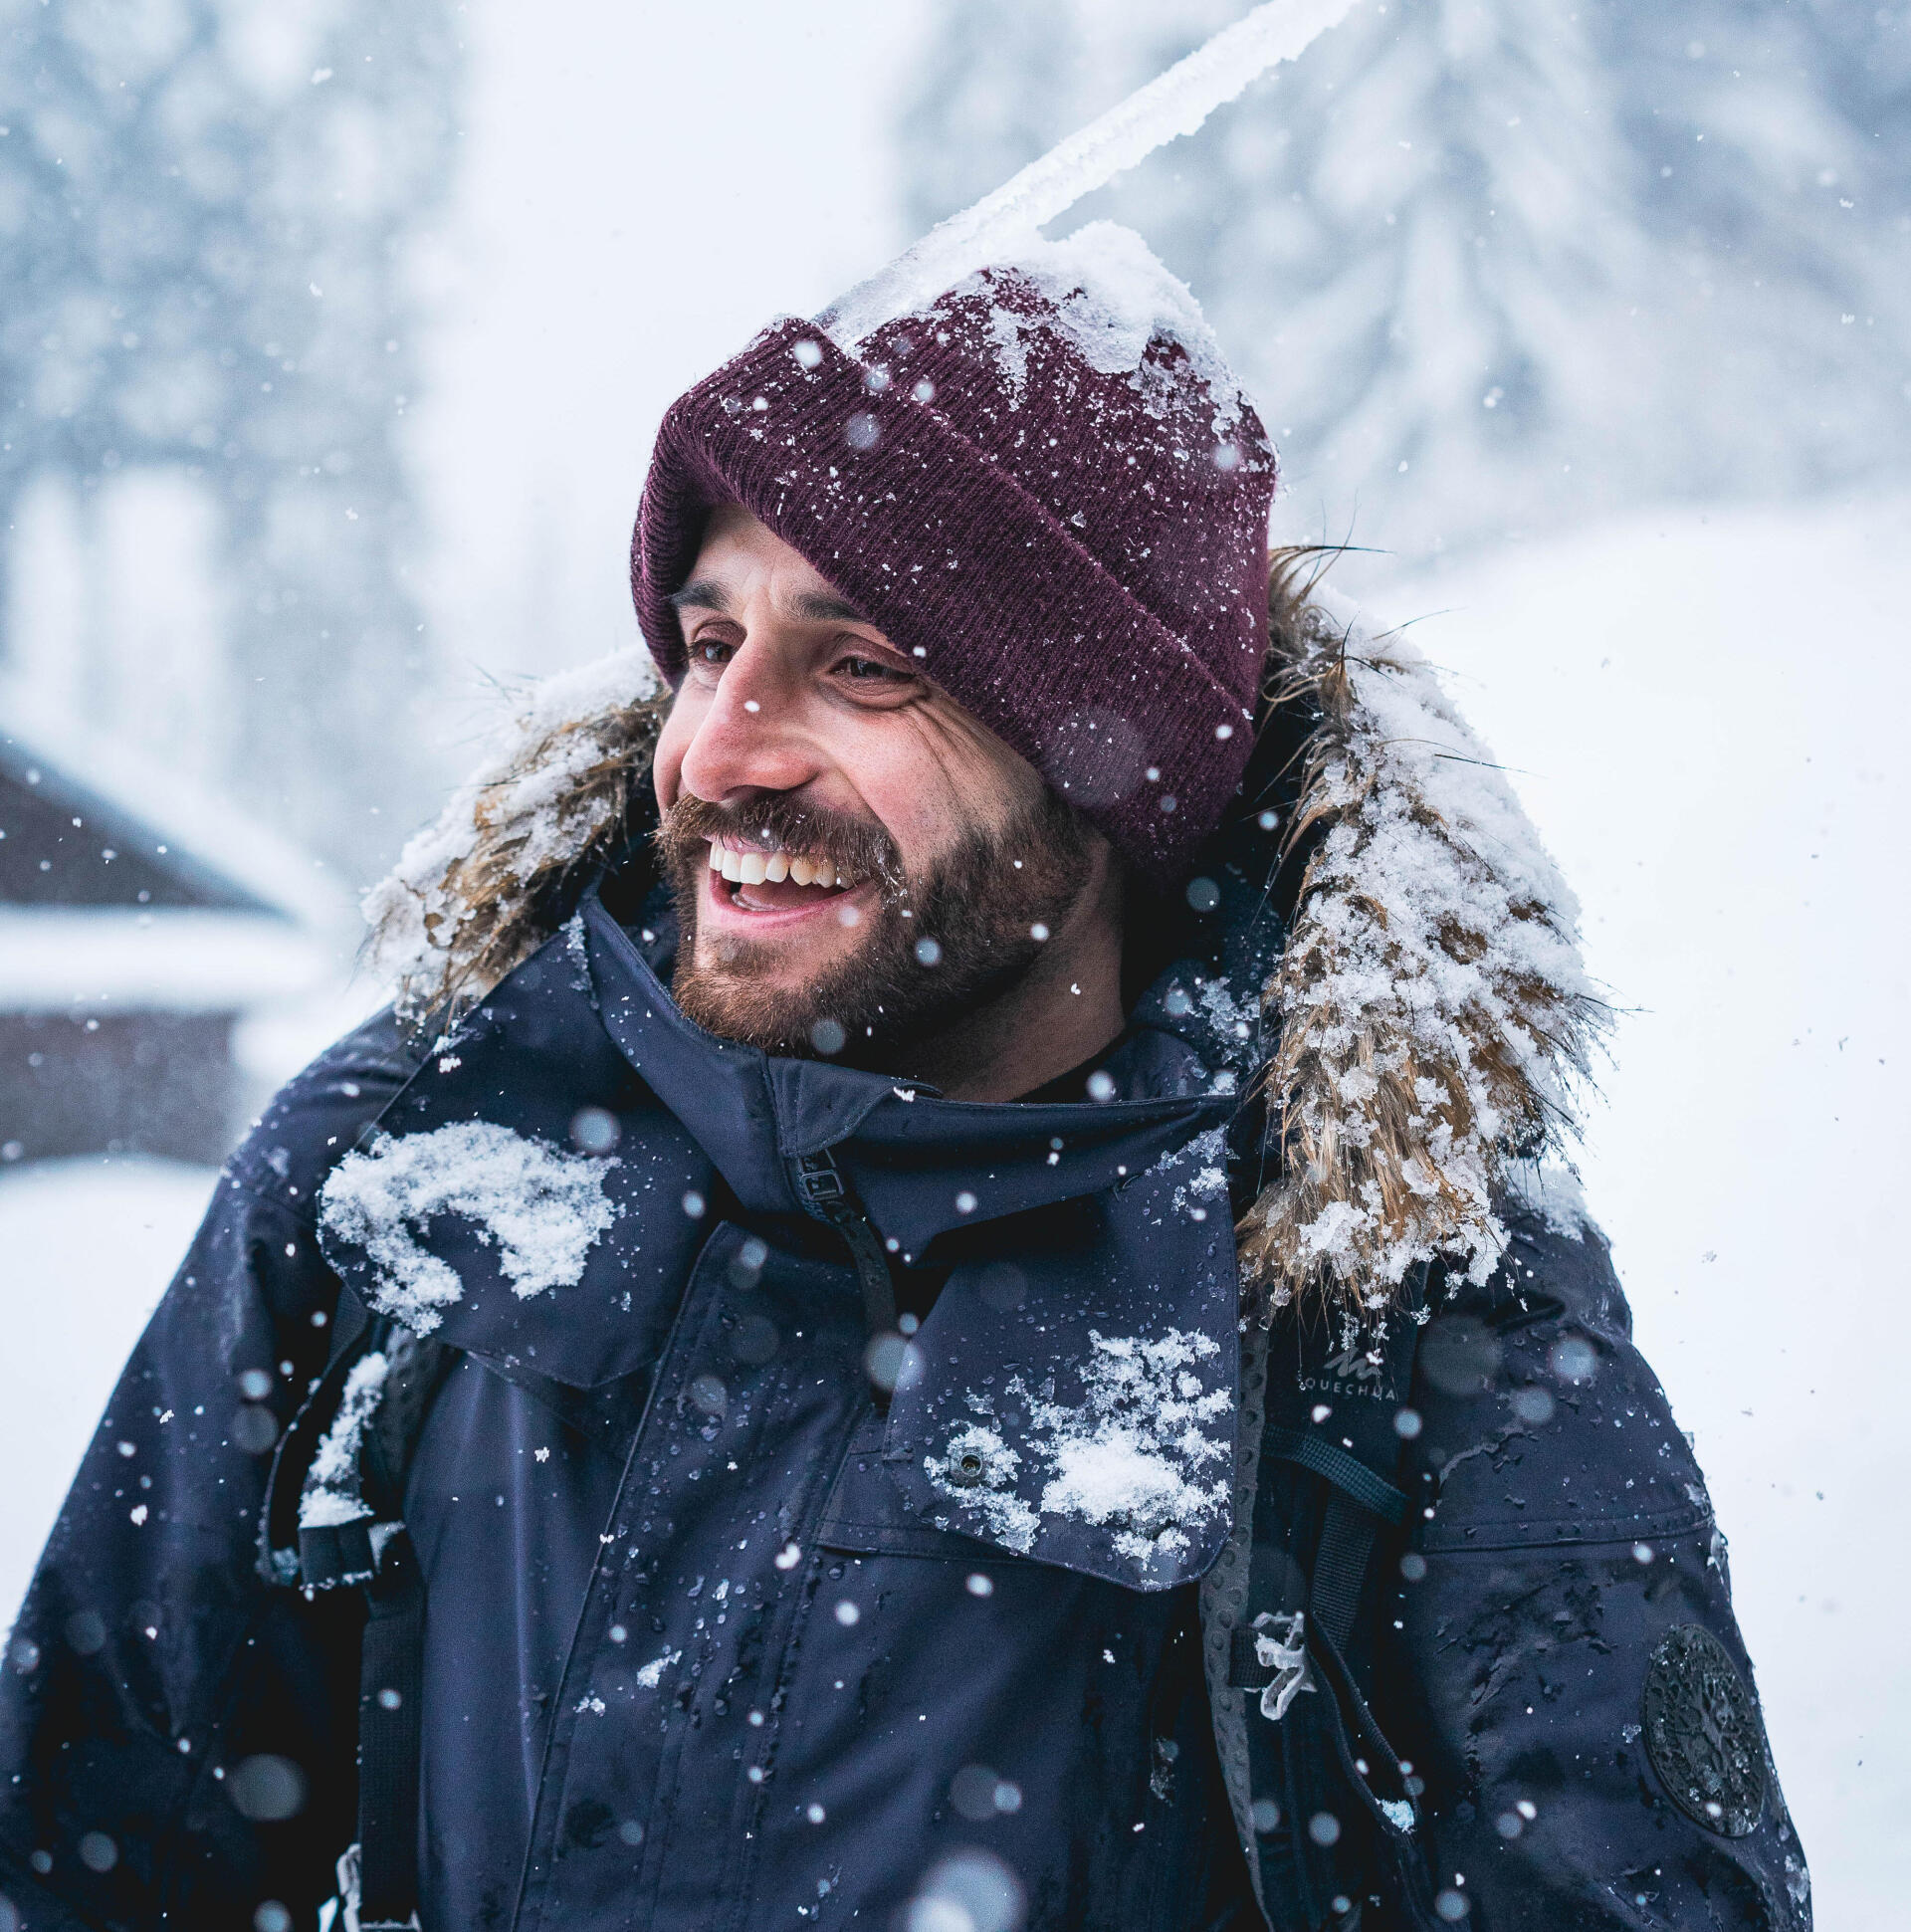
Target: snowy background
[328,401]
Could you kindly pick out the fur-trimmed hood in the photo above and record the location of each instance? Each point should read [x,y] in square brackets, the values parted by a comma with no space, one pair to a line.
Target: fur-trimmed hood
[1428,1014]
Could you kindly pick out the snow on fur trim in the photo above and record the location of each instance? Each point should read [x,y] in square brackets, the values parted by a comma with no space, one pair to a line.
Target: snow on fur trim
[470,895]
[1431,1011]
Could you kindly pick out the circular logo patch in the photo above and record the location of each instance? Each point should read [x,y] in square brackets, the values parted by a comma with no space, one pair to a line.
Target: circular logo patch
[1703,1734]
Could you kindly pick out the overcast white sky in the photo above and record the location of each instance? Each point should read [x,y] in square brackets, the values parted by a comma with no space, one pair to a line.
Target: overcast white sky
[644,186]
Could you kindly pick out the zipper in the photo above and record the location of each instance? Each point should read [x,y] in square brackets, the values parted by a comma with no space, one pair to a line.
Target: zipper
[827,1194]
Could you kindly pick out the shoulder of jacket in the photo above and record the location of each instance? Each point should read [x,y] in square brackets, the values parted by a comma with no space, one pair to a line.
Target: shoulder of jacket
[318,1117]
[1541,1422]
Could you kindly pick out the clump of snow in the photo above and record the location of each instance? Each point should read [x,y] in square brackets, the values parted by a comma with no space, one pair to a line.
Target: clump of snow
[1140,1455]
[1136,1453]
[1206,1155]
[1111,298]
[1232,1017]
[577,947]
[543,1207]
[1173,103]
[334,1492]
[652,1673]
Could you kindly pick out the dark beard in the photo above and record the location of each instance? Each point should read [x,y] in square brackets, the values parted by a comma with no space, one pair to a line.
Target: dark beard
[973,914]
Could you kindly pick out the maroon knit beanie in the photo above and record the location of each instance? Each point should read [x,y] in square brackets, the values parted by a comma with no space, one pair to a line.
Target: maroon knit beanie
[1046,488]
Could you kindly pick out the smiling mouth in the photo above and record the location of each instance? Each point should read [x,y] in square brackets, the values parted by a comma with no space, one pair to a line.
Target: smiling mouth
[776,880]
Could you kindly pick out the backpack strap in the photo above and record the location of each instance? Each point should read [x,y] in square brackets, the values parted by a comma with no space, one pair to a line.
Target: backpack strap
[1322,1490]
[334,1518]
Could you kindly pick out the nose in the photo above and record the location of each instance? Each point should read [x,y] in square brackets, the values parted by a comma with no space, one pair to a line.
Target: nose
[750,737]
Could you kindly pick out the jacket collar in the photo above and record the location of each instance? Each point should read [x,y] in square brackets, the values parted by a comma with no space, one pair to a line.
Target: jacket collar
[922,1165]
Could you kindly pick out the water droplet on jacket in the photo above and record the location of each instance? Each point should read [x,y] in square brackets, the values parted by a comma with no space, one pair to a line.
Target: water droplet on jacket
[1533,1405]
[267,1788]
[594,1129]
[970,1891]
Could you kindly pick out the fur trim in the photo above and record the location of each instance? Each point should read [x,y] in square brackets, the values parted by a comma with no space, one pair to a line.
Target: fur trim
[1430,1011]
[1429,1008]
[473,896]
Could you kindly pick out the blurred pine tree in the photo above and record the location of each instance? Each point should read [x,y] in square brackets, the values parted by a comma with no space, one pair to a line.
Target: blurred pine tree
[1492,265]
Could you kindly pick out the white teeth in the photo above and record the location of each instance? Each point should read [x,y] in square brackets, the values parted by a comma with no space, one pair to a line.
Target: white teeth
[825,874]
[715,856]
[732,866]
[776,867]
[753,869]
[803,871]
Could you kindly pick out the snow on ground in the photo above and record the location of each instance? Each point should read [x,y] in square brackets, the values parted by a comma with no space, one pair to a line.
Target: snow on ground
[88,1246]
[1704,712]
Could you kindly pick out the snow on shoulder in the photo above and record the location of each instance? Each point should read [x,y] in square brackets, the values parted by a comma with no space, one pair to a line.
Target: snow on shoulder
[543,1207]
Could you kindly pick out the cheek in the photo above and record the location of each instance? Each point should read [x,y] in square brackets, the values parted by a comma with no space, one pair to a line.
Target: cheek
[936,777]
[667,768]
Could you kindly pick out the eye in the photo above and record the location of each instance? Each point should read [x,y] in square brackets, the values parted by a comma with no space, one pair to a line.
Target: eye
[712,650]
[872,671]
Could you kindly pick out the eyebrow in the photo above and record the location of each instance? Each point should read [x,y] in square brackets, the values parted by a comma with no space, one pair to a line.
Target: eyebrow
[700,594]
[819,608]
[813,606]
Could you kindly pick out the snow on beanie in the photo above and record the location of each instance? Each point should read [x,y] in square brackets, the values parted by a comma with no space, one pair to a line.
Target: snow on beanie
[1046,487]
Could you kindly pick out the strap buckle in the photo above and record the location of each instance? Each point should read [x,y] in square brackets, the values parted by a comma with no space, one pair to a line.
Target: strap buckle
[820,1183]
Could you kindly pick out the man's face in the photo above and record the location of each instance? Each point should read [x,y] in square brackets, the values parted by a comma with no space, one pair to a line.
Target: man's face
[857,861]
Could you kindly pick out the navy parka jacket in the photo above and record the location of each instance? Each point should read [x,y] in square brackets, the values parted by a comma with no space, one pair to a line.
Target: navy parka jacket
[710,1640]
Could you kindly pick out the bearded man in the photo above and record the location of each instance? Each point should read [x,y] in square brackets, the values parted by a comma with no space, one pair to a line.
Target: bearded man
[938,1307]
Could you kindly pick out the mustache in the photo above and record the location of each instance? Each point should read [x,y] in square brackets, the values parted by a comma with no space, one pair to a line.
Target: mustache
[778,823]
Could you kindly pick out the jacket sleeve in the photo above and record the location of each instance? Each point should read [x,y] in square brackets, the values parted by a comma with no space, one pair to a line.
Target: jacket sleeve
[1591,1740]
[176,1737]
